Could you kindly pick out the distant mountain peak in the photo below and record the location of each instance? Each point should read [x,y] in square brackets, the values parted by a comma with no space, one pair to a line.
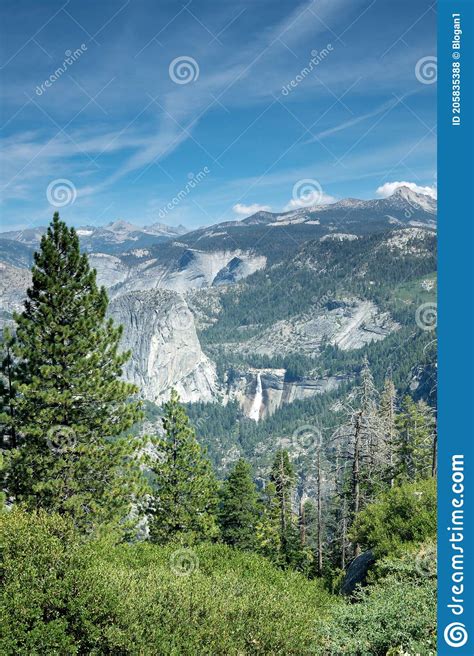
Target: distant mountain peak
[164,229]
[120,226]
[404,194]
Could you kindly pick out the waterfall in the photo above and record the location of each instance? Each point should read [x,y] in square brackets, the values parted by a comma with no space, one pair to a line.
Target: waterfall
[257,401]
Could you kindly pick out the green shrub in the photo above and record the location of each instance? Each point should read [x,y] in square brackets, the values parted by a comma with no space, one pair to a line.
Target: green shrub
[406,513]
[44,566]
[63,596]
[394,616]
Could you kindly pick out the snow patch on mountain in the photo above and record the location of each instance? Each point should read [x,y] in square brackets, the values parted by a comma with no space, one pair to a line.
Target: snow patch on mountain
[339,236]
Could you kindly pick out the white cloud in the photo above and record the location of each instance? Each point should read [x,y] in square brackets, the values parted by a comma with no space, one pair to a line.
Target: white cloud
[247,210]
[309,200]
[389,188]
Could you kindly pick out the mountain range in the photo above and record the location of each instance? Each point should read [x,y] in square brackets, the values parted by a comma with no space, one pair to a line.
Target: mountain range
[261,324]
[117,235]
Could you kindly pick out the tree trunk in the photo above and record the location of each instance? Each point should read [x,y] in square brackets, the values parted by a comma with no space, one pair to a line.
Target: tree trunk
[302,523]
[344,535]
[356,473]
[319,507]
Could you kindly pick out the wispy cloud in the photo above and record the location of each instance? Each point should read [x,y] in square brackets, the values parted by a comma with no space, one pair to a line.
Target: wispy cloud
[389,188]
[245,210]
[123,131]
[315,198]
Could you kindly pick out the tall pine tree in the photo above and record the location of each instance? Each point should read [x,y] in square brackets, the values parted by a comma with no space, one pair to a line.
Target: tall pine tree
[416,441]
[184,485]
[238,509]
[65,410]
[283,477]
[387,414]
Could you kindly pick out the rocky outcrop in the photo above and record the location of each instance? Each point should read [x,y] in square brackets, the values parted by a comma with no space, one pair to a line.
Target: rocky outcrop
[357,572]
[110,269]
[193,269]
[159,331]
[13,284]
[261,392]
[237,269]
[348,323]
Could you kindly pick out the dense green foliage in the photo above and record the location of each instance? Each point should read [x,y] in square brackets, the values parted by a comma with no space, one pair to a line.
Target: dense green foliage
[239,508]
[61,596]
[67,410]
[393,616]
[406,513]
[184,488]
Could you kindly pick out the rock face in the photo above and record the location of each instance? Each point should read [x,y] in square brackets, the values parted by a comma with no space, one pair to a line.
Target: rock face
[13,284]
[261,392]
[159,330]
[192,269]
[110,269]
[357,572]
[237,269]
[348,323]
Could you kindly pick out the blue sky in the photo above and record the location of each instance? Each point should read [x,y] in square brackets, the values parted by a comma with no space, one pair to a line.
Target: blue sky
[128,122]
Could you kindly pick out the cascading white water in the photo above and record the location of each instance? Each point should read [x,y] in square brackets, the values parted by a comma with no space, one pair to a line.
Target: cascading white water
[257,401]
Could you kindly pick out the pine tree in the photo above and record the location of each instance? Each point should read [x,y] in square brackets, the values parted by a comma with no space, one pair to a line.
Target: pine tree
[238,509]
[184,485]
[268,527]
[319,501]
[65,410]
[361,449]
[283,478]
[7,392]
[416,443]
[387,413]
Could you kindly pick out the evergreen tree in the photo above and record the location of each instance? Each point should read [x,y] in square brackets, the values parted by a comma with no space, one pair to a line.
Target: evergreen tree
[362,450]
[387,413]
[309,523]
[238,510]
[268,527]
[283,477]
[184,485]
[65,410]
[416,443]
[7,392]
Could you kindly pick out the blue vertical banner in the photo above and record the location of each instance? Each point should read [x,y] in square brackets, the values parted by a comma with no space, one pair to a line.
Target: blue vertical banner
[456,327]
